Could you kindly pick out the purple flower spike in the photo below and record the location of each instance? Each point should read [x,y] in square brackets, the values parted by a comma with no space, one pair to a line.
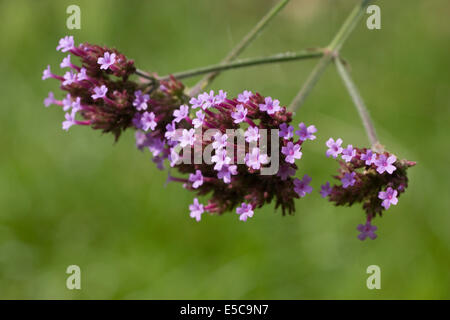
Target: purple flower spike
[196,210]
[292,152]
[245,211]
[302,187]
[286,131]
[270,106]
[140,101]
[306,133]
[348,180]
[334,147]
[245,96]
[181,113]
[255,159]
[196,179]
[369,157]
[107,60]
[148,121]
[50,99]
[240,114]
[348,153]
[367,230]
[385,164]
[325,190]
[389,197]
[285,172]
[100,92]
[66,44]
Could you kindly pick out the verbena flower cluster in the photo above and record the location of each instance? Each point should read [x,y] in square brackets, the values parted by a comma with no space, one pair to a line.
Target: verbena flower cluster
[100,95]
[374,179]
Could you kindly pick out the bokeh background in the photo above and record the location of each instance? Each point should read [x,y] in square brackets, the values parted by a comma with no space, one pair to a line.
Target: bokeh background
[78,198]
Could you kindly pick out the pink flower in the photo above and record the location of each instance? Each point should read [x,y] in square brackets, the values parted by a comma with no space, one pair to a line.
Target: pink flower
[385,164]
[286,131]
[82,75]
[220,97]
[69,78]
[334,147]
[325,190]
[292,152]
[240,113]
[99,92]
[226,171]
[255,159]
[50,99]
[196,179]
[140,101]
[181,113]
[369,157]
[270,106]
[196,210]
[47,73]
[107,60]
[306,133]
[220,159]
[66,44]
[389,197]
[245,211]
[252,134]
[302,187]
[245,96]
[187,138]
[220,140]
[148,121]
[70,121]
[66,62]
[198,122]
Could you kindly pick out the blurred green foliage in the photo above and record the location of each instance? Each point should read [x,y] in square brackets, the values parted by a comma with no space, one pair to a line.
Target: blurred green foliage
[78,198]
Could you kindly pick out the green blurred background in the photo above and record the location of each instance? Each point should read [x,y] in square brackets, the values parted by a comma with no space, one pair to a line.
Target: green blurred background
[78,198]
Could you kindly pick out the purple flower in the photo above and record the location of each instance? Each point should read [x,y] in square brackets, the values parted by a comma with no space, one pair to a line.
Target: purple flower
[286,131]
[302,187]
[140,101]
[334,147]
[174,157]
[170,132]
[148,121]
[255,159]
[389,197]
[187,138]
[107,60]
[325,190]
[240,114]
[196,210]
[369,157]
[196,102]
[76,105]
[306,133]
[220,97]
[245,211]
[270,106]
[348,153]
[141,139]
[82,75]
[50,99]
[69,78]
[66,62]
[348,180]
[366,230]
[245,96]
[70,121]
[159,161]
[196,179]
[292,152]
[220,159]
[385,164]
[226,171]
[198,122]
[207,100]
[47,73]
[67,102]
[252,134]
[285,171]
[156,146]
[99,92]
[220,140]
[181,113]
[66,44]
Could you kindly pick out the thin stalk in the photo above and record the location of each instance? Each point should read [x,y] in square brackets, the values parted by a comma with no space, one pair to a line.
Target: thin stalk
[279,57]
[242,45]
[358,102]
[332,51]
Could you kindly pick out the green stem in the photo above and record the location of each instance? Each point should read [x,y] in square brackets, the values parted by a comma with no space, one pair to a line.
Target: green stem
[242,45]
[280,57]
[332,51]
[359,103]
